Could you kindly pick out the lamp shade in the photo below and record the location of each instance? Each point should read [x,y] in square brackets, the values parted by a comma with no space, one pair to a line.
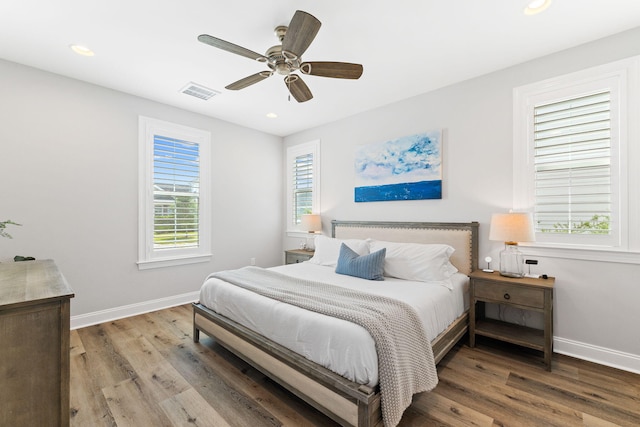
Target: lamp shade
[512,227]
[311,223]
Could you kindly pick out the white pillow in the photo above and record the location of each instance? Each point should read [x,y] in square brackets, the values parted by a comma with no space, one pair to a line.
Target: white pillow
[328,249]
[416,261]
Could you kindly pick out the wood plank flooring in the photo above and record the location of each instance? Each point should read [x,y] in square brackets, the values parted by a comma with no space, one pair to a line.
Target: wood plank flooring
[146,371]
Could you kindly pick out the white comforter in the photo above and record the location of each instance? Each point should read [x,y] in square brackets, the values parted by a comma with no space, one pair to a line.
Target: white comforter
[341,346]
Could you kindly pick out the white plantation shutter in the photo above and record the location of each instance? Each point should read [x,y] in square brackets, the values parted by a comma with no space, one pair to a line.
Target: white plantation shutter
[572,162]
[176,184]
[302,186]
[575,154]
[303,182]
[174,213]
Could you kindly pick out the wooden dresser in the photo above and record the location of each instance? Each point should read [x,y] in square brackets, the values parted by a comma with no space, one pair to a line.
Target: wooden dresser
[34,344]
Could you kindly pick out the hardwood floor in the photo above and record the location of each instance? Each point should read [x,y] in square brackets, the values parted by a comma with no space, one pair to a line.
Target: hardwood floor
[146,371]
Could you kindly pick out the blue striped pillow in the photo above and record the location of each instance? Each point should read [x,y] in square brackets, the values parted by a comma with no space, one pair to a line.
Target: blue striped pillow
[370,267]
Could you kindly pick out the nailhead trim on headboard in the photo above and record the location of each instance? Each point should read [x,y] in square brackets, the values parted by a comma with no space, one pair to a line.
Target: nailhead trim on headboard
[463,237]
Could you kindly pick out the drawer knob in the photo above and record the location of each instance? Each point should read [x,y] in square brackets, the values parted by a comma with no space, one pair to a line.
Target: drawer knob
[507,296]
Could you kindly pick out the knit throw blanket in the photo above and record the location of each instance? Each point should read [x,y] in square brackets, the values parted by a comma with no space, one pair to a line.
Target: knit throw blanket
[405,358]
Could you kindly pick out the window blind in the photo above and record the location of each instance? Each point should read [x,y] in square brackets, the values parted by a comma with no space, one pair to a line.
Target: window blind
[302,186]
[176,183]
[572,163]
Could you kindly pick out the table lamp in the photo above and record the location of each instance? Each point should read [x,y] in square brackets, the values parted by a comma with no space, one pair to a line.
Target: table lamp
[312,224]
[512,228]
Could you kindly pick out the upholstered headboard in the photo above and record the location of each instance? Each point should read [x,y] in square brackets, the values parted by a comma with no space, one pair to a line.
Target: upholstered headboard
[462,236]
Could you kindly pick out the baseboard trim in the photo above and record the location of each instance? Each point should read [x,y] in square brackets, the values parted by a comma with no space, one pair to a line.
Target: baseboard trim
[601,355]
[89,319]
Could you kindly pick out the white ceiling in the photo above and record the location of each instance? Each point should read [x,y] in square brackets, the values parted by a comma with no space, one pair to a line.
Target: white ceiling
[149,48]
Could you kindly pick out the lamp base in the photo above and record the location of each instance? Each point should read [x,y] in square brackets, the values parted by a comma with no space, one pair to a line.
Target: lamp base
[511,261]
[309,244]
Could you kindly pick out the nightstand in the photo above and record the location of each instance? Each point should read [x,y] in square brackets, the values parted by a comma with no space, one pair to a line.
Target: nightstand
[293,256]
[523,293]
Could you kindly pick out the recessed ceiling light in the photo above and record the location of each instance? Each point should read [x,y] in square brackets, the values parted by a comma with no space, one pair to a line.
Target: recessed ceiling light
[536,6]
[272,115]
[81,50]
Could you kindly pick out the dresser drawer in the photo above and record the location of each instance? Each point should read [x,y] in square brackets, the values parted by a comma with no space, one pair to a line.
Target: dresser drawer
[513,294]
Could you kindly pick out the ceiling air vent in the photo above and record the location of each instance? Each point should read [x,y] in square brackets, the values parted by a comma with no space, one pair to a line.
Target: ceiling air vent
[198,91]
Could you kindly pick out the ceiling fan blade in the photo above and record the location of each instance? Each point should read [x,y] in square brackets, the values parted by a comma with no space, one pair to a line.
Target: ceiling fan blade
[248,81]
[298,88]
[230,47]
[338,70]
[301,32]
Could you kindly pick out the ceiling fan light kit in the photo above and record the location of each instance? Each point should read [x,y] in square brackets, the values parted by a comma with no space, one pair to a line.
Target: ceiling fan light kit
[286,59]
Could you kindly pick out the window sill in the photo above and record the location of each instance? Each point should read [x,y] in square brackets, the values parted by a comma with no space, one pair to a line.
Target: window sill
[171,262]
[301,234]
[587,254]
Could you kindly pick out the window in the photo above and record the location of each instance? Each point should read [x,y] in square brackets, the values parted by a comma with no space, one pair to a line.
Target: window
[174,208]
[572,165]
[303,182]
[572,157]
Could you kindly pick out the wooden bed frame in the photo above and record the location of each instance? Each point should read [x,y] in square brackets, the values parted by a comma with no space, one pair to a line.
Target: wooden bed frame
[346,402]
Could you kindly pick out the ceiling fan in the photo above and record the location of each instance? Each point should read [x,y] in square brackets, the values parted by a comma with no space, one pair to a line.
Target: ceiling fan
[285,59]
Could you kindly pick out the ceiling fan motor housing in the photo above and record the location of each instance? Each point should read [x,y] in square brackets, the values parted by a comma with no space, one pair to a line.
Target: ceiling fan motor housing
[279,63]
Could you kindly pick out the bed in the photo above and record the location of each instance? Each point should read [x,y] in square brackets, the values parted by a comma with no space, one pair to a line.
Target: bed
[351,398]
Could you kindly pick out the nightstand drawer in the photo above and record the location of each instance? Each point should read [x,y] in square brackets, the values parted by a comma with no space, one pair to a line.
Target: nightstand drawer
[295,256]
[513,294]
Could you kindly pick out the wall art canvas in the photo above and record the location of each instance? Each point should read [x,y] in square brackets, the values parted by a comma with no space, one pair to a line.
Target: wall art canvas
[407,168]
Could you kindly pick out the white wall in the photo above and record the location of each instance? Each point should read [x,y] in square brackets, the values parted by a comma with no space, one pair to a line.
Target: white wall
[595,302]
[69,174]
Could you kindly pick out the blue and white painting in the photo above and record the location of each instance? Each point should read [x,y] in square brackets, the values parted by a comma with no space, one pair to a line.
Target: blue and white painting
[407,168]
